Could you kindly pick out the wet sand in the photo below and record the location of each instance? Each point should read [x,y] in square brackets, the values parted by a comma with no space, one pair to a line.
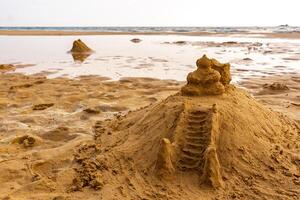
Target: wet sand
[281,93]
[44,120]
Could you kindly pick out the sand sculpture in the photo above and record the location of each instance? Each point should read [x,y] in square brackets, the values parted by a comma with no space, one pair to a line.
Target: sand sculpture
[198,151]
[209,135]
[210,78]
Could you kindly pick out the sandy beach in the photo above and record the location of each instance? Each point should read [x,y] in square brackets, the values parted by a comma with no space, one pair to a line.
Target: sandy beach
[53,107]
[294,35]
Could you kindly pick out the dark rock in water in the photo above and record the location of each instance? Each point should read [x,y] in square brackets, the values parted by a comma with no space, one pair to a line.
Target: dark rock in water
[80,47]
[180,42]
[136,40]
[247,59]
[230,43]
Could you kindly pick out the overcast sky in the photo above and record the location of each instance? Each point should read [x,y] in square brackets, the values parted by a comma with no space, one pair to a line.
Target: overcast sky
[149,12]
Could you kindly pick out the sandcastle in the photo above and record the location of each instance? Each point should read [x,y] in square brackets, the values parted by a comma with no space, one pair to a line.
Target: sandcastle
[209,135]
[210,78]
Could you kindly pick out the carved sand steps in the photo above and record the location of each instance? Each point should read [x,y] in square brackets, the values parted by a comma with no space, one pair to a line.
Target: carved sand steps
[197,138]
[196,149]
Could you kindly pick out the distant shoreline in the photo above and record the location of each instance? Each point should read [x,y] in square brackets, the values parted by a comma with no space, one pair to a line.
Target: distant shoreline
[291,35]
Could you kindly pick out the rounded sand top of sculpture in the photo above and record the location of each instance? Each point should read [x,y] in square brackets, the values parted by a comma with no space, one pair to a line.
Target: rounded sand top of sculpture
[80,47]
[210,78]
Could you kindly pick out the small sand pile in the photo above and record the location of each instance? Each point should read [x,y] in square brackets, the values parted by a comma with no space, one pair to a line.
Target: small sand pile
[209,141]
[7,67]
[80,47]
[80,51]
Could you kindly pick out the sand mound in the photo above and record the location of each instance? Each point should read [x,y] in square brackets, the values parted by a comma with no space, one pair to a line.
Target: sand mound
[7,67]
[80,51]
[212,140]
[80,47]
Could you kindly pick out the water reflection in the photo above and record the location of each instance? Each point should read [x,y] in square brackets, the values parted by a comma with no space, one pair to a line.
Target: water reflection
[80,57]
[155,56]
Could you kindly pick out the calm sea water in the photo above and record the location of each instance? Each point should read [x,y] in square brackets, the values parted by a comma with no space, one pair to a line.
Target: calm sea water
[275,29]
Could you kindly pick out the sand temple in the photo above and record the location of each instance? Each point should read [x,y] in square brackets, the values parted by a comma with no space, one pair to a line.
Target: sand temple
[210,78]
[210,140]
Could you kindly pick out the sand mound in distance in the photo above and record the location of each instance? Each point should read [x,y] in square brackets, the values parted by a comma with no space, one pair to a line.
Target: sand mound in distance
[211,140]
[80,51]
[80,47]
[6,67]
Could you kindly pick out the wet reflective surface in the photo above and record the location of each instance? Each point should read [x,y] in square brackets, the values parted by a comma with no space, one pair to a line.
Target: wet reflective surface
[160,56]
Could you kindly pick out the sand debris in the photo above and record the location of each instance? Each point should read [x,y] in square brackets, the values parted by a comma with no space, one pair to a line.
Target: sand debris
[27,141]
[42,106]
[94,110]
[276,86]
